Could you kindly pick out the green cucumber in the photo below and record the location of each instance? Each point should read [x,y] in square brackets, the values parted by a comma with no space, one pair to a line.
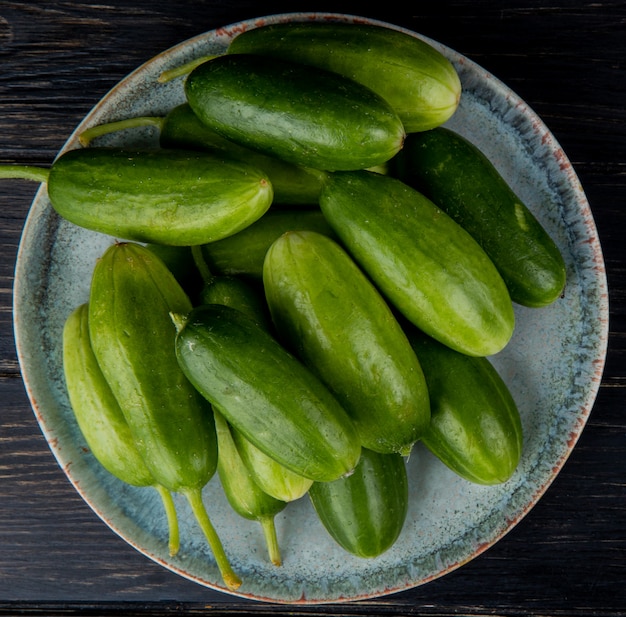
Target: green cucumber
[419,82]
[243,253]
[244,295]
[100,418]
[163,196]
[476,427]
[338,324]
[301,114]
[181,129]
[428,267]
[244,495]
[365,512]
[265,393]
[133,338]
[275,479]
[463,182]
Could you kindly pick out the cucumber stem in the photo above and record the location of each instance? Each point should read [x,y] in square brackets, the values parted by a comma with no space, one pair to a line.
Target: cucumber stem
[88,135]
[269,531]
[194,496]
[183,69]
[201,264]
[172,519]
[25,172]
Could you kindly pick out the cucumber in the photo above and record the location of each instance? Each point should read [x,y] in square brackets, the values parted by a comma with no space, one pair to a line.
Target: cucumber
[301,114]
[100,418]
[365,512]
[337,323]
[463,182]
[419,82]
[273,478]
[265,393]
[243,494]
[181,129]
[243,253]
[476,427]
[133,338]
[164,196]
[428,267]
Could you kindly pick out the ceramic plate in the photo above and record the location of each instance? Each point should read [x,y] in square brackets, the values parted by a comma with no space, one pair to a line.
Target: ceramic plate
[552,366]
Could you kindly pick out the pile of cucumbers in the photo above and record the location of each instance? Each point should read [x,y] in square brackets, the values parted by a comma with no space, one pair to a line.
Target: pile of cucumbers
[310,276]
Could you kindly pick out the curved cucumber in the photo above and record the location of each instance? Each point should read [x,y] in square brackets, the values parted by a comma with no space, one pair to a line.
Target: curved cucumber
[163,196]
[476,428]
[244,495]
[265,393]
[100,418]
[301,114]
[462,181]
[275,479]
[427,265]
[366,511]
[419,82]
[337,322]
[244,252]
[133,338]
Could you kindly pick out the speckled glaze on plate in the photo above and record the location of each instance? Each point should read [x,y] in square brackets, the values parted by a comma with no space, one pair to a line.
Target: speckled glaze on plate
[553,366]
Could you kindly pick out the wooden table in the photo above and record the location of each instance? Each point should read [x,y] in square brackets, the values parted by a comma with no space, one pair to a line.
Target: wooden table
[566,59]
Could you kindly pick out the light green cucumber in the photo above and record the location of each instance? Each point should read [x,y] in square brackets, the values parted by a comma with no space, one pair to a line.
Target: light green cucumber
[419,82]
[100,418]
[426,265]
[336,321]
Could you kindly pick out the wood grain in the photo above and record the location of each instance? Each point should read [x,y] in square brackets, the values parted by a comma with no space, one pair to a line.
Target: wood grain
[566,59]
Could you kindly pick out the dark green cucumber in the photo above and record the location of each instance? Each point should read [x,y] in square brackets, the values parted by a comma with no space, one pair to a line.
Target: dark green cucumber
[133,338]
[427,265]
[100,418]
[463,182]
[301,114]
[419,82]
[336,321]
[265,393]
[163,196]
[181,129]
[243,494]
[476,427]
[365,512]
[244,295]
[244,252]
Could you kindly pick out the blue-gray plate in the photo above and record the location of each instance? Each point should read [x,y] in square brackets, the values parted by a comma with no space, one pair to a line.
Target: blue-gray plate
[553,366]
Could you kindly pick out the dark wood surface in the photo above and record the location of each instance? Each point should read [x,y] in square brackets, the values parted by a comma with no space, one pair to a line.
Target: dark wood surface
[566,59]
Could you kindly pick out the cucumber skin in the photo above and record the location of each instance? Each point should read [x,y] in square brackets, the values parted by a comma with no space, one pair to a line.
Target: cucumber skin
[95,408]
[459,178]
[365,512]
[244,252]
[419,82]
[266,394]
[133,337]
[300,114]
[336,321]
[476,427]
[430,269]
[157,196]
